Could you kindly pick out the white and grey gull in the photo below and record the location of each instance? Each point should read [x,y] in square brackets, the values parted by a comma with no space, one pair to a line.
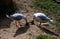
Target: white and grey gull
[17,17]
[41,17]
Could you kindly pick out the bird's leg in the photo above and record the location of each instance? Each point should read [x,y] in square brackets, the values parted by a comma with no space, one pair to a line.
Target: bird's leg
[40,23]
[26,21]
[15,22]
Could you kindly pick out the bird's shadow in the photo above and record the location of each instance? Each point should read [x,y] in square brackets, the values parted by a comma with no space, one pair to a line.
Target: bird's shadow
[21,30]
[5,23]
[48,31]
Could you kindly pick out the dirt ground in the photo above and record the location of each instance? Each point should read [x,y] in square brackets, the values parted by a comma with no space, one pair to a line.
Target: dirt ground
[8,30]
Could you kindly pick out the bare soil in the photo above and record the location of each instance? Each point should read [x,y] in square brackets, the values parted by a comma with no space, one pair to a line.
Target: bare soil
[8,30]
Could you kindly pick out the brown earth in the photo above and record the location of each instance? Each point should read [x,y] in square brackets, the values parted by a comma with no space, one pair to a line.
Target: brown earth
[8,30]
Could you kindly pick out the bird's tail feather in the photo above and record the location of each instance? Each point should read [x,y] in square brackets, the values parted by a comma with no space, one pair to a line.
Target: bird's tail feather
[7,16]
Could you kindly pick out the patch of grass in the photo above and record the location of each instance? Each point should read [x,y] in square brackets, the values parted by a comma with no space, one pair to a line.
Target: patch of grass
[45,37]
[46,4]
[57,23]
